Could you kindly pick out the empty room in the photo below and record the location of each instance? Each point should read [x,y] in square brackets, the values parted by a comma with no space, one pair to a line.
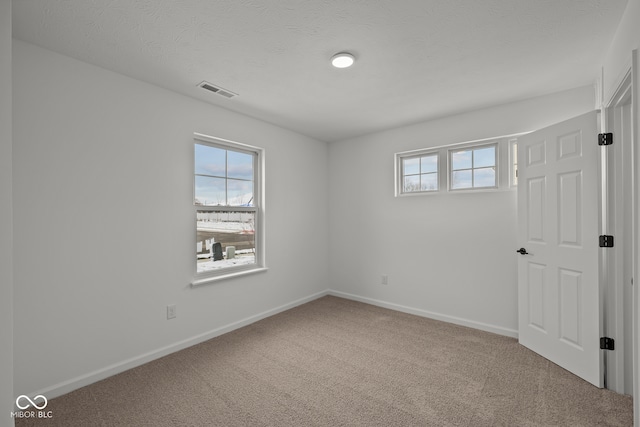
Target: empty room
[319,213]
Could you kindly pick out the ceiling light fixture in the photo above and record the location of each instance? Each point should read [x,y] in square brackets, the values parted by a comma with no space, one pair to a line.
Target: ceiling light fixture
[342,60]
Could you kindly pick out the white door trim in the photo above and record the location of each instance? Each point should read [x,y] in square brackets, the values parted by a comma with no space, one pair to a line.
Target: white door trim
[635,78]
[617,192]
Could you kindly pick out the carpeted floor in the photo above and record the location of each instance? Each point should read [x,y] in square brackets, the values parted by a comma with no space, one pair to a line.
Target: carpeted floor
[335,362]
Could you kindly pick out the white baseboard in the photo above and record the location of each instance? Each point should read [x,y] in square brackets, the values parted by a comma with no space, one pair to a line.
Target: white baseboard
[429,314]
[108,371]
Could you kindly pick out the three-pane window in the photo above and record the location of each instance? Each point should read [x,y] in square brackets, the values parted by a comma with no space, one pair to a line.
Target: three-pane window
[484,165]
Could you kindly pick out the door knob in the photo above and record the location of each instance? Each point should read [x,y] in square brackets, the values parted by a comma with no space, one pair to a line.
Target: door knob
[522,251]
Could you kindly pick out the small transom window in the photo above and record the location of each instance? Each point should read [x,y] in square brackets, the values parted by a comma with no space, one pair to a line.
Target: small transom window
[473,167]
[420,173]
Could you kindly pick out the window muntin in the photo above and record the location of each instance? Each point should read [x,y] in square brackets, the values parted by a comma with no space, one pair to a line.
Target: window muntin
[227,202]
[223,177]
[420,173]
[474,167]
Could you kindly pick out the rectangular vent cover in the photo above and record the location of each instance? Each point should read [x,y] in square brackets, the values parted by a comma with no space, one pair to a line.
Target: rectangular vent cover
[217,90]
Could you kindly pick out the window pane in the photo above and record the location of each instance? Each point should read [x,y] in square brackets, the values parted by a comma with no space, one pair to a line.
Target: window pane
[229,229]
[209,160]
[240,193]
[514,170]
[429,164]
[461,179]
[210,191]
[484,177]
[483,157]
[411,166]
[239,165]
[411,183]
[429,182]
[461,160]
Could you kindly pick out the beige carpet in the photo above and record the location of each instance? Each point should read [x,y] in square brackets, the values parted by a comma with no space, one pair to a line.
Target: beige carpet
[335,362]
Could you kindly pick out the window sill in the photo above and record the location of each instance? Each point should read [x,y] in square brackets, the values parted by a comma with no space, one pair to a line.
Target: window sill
[459,191]
[213,279]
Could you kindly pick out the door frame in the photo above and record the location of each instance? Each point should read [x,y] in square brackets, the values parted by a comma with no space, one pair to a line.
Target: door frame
[617,189]
[627,90]
[635,81]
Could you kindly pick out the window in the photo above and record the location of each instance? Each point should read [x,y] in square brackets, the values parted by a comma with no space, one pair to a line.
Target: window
[458,168]
[514,162]
[473,167]
[227,202]
[420,173]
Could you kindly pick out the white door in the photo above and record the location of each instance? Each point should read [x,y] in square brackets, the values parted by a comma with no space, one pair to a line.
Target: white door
[558,277]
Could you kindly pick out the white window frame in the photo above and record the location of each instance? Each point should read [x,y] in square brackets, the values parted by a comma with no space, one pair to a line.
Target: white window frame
[504,166]
[419,155]
[513,162]
[205,277]
[472,148]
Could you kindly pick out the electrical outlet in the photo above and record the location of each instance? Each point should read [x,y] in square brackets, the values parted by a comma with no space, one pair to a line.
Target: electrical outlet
[385,279]
[171,311]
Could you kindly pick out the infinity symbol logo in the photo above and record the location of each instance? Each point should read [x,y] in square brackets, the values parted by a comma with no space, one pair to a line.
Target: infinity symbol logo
[31,402]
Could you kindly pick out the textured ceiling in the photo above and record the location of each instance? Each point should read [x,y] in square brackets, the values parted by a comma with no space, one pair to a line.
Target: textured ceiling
[415,59]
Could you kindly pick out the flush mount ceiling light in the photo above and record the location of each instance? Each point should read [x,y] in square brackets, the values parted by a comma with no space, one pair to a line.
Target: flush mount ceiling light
[342,60]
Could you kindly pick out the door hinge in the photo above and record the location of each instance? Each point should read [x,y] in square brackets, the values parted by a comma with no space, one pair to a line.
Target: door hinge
[606,241]
[605,138]
[607,343]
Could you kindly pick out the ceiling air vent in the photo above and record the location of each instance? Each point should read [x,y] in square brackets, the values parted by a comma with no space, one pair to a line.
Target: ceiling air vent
[217,90]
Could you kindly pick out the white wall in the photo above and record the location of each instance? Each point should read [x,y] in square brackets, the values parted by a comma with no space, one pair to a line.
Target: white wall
[104,224]
[450,256]
[6,222]
[626,39]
